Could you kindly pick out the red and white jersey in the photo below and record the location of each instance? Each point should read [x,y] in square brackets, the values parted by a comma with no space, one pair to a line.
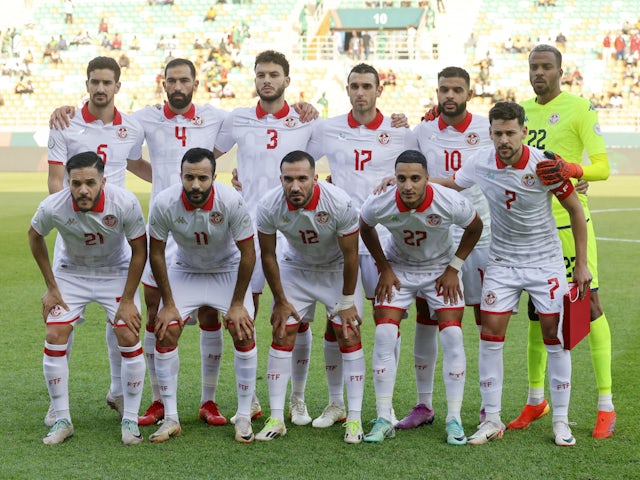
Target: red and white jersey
[447,148]
[263,140]
[169,136]
[312,232]
[523,231]
[114,142]
[420,238]
[95,241]
[360,156]
[207,236]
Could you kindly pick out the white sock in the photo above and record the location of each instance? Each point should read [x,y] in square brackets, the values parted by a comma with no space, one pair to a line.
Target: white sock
[149,355]
[133,369]
[278,374]
[354,373]
[211,346]
[70,343]
[167,367]
[56,375]
[491,372]
[300,363]
[245,364]
[536,395]
[384,367]
[559,366]
[115,361]
[605,402]
[334,368]
[454,365]
[425,355]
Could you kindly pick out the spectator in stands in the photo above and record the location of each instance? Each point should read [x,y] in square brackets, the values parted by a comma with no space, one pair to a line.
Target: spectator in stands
[116,43]
[103,26]
[62,44]
[634,44]
[366,44]
[390,79]
[323,101]
[23,87]
[227,91]
[105,43]
[1,100]
[162,43]
[197,44]
[441,8]
[28,60]
[55,56]
[561,42]
[124,61]
[211,14]
[134,44]
[81,38]
[619,45]
[355,46]
[68,11]
[430,18]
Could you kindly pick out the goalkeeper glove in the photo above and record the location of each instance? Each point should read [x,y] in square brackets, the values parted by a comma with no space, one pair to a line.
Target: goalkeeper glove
[431,114]
[556,170]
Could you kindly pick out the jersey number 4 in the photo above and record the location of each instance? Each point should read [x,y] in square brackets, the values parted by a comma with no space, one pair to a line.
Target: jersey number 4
[181,134]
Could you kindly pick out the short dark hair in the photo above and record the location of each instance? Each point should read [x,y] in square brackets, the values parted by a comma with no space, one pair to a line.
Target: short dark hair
[364,68]
[507,111]
[196,155]
[455,72]
[271,56]
[104,63]
[543,47]
[85,160]
[412,156]
[176,62]
[298,156]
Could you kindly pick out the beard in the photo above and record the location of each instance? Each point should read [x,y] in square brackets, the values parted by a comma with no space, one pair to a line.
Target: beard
[460,108]
[197,198]
[180,100]
[279,92]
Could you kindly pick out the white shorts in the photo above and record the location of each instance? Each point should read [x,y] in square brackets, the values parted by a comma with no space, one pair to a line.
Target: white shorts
[78,291]
[369,274]
[419,284]
[170,248]
[473,273]
[503,285]
[194,290]
[303,288]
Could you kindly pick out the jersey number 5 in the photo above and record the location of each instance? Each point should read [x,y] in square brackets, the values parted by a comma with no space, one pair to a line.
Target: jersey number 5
[101,150]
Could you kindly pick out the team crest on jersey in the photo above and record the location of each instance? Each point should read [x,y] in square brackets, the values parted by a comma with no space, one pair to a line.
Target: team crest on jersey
[290,122]
[216,218]
[56,311]
[554,118]
[528,180]
[322,217]
[434,219]
[197,120]
[490,298]
[122,132]
[472,139]
[384,138]
[596,129]
[110,221]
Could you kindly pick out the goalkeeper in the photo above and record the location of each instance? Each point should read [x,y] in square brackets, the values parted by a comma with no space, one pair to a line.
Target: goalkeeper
[566,125]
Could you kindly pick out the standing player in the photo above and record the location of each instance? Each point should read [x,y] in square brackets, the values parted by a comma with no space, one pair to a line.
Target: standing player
[419,259]
[117,138]
[211,266]
[361,148]
[94,221]
[447,143]
[525,254]
[319,262]
[567,125]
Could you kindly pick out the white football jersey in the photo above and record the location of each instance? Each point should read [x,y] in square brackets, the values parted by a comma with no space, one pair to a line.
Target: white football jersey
[263,140]
[169,136]
[95,241]
[207,236]
[523,231]
[311,232]
[115,142]
[420,238]
[447,148]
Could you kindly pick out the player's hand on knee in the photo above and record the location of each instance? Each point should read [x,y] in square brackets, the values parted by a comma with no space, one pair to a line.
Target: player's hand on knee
[382,186]
[50,300]
[350,319]
[167,316]
[386,284]
[279,316]
[556,170]
[448,285]
[129,314]
[242,323]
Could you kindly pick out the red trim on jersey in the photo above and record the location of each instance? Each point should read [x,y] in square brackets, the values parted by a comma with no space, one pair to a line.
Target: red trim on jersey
[154,239]
[54,162]
[426,203]
[520,164]
[491,338]
[160,349]
[508,312]
[313,202]
[564,190]
[382,321]
[245,348]
[138,238]
[89,118]
[189,206]
[548,314]
[390,308]
[98,207]
[55,353]
[551,341]
[282,348]
[351,349]
[245,239]
[449,323]
[422,320]
[189,114]
[355,232]
[372,125]
[135,353]
[283,112]
[215,328]
[460,127]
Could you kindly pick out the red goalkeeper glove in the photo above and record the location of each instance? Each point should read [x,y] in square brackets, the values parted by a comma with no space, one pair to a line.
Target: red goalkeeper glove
[556,170]
[431,114]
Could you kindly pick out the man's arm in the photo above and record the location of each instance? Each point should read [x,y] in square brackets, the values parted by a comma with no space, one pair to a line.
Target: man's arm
[448,182]
[581,274]
[60,118]
[168,312]
[346,307]
[237,314]
[140,168]
[52,296]
[387,280]
[598,170]
[127,310]
[55,180]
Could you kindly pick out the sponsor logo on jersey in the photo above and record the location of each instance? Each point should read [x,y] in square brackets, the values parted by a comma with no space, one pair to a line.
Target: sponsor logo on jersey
[528,180]
[434,219]
[554,118]
[216,218]
[109,221]
[122,132]
[285,219]
[384,138]
[472,139]
[290,122]
[181,220]
[322,217]
[490,298]
[70,221]
[197,121]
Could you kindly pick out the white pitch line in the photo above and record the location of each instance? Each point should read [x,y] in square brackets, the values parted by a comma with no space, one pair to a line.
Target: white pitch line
[616,210]
[607,239]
